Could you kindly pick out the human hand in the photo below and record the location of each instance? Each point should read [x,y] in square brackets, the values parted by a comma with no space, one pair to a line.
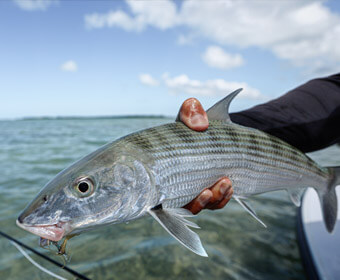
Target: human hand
[193,116]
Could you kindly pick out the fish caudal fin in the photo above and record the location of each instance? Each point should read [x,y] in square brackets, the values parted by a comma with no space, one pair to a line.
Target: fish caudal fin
[173,221]
[329,202]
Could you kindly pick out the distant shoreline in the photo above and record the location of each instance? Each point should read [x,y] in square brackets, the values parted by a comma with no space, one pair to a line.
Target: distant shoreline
[88,117]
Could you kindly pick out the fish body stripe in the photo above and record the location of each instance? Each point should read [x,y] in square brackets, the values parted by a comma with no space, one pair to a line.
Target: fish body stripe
[170,134]
[186,161]
[165,141]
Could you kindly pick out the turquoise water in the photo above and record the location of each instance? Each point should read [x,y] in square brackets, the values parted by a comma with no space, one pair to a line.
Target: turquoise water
[33,151]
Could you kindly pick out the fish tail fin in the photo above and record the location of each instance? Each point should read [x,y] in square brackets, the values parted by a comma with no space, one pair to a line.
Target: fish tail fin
[329,201]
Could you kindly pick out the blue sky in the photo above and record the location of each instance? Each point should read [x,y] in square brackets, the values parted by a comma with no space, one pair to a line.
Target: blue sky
[81,58]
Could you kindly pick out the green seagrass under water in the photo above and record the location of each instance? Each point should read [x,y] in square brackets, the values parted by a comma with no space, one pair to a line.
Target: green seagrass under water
[33,151]
[159,170]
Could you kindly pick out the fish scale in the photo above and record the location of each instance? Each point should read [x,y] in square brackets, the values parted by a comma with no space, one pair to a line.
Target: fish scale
[194,160]
[158,170]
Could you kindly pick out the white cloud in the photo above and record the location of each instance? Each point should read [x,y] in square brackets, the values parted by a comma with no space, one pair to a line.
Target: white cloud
[305,33]
[216,57]
[34,5]
[159,14]
[217,87]
[111,19]
[69,66]
[148,80]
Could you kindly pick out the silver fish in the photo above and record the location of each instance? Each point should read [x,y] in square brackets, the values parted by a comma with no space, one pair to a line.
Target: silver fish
[158,170]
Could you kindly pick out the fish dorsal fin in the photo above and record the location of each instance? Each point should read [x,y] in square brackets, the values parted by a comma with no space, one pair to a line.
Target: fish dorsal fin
[295,196]
[173,221]
[249,210]
[220,111]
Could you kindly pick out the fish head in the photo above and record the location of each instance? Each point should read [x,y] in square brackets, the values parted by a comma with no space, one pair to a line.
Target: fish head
[102,188]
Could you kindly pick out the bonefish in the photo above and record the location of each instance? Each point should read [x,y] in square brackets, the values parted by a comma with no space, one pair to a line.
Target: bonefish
[158,170]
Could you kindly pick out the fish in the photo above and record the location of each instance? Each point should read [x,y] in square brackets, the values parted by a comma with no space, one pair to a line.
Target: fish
[158,170]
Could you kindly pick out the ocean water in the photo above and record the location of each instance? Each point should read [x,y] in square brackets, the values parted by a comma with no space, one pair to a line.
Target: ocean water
[34,151]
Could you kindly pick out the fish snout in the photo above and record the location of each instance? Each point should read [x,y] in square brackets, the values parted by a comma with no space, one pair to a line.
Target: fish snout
[21,218]
[34,212]
[43,219]
[25,217]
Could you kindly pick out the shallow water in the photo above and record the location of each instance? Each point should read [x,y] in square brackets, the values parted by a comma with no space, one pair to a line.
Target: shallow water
[33,151]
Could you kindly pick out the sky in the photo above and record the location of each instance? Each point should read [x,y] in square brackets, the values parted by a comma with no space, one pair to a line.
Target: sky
[99,58]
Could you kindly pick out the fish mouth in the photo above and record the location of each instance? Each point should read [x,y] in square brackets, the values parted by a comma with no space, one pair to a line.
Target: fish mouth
[54,232]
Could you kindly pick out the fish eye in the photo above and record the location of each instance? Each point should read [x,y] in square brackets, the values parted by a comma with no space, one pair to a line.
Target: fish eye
[84,186]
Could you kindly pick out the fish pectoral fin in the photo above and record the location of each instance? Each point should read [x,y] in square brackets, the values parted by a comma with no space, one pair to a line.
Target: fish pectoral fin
[295,195]
[249,210]
[173,221]
[220,111]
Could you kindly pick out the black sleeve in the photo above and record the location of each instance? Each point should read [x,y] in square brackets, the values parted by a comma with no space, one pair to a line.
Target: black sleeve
[307,117]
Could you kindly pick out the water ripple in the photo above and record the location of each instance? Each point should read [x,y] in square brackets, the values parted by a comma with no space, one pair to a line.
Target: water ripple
[32,152]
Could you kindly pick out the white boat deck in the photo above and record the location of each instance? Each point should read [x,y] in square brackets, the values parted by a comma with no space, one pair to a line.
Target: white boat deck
[324,248]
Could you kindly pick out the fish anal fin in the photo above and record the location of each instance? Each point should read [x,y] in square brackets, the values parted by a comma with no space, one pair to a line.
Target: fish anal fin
[177,226]
[220,111]
[249,210]
[295,195]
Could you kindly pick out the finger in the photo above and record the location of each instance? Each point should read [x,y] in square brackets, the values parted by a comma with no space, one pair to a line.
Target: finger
[193,115]
[200,202]
[223,202]
[219,191]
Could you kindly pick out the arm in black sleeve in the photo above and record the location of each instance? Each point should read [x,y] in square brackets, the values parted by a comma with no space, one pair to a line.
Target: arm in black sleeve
[307,117]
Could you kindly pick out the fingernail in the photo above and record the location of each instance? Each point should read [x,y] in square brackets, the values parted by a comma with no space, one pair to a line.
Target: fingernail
[224,188]
[204,198]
